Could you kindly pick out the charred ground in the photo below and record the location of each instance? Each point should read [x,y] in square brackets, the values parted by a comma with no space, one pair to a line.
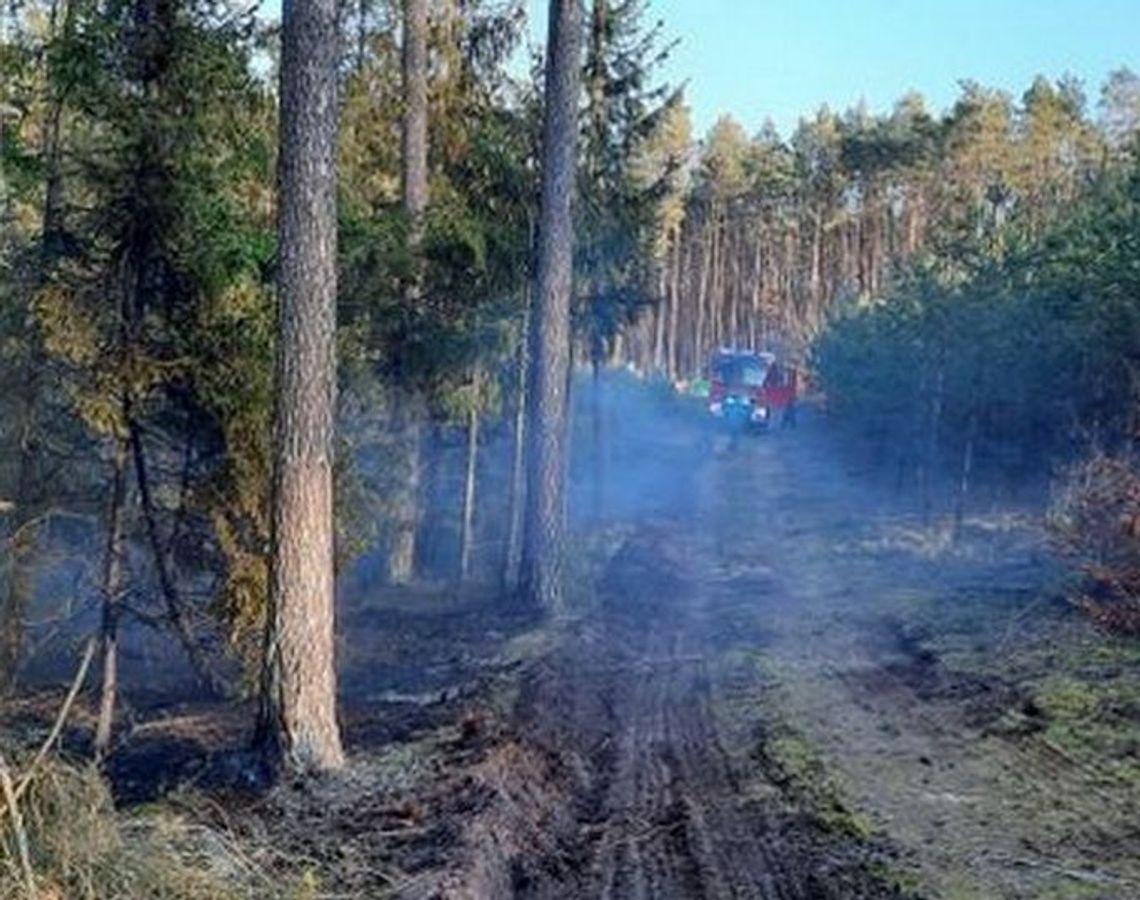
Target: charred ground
[776,680]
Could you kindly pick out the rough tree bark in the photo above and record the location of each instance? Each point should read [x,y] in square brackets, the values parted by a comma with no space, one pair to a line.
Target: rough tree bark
[550,324]
[298,725]
[414,180]
[414,135]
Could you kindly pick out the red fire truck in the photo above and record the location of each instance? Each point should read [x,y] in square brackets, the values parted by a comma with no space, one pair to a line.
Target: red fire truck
[751,389]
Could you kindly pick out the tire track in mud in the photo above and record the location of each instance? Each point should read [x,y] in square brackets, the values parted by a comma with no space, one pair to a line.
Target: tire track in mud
[673,829]
[662,810]
[637,722]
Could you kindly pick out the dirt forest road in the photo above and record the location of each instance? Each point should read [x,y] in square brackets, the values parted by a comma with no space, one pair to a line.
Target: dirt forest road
[792,692]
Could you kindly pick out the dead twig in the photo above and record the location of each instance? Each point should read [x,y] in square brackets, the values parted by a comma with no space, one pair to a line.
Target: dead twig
[17,828]
[57,728]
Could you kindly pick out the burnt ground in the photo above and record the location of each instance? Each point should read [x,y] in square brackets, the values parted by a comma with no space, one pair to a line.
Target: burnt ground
[776,681]
[963,707]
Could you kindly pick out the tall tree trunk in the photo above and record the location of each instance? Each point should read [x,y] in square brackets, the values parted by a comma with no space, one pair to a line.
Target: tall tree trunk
[965,473]
[112,591]
[930,456]
[408,423]
[596,439]
[716,292]
[702,294]
[298,726]
[513,554]
[757,282]
[550,331]
[596,66]
[467,522]
[363,7]
[730,286]
[414,134]
[414,183]
[660,314]
[674,306]
[817,270]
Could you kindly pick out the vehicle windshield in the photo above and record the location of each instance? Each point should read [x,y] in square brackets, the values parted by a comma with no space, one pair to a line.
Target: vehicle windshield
[750,373]
[741,372]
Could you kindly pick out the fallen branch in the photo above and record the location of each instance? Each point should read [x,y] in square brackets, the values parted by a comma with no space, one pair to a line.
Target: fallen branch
[10,804]
[17,827]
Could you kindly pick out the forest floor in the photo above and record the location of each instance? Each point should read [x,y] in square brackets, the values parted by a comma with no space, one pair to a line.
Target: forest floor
[775,681]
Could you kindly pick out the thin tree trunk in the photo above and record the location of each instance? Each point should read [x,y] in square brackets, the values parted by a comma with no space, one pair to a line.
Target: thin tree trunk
[674,306]
[716,292]
[702,294]
[732,292]
[816,318]
[617,350]
[298,726]
[362,10]
[414,185]
[966,473]
[175,611]
[550,332]
[757,283]
[930,457]
[406,502]
[112,591]
[596,439]
[513,555]
[53,192]
[661,312]
[596,66]
[467,523]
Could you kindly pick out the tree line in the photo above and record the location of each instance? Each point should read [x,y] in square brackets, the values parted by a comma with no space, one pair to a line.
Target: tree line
[763,239]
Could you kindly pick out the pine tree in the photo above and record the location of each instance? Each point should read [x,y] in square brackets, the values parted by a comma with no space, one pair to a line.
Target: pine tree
[545,518]
[298,726]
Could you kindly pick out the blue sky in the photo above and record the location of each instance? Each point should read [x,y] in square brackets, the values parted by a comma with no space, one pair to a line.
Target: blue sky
[783,58]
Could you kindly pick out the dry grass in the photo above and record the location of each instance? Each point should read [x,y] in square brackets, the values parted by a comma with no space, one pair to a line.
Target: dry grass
[62,838]
[1095,523]
[80,847]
